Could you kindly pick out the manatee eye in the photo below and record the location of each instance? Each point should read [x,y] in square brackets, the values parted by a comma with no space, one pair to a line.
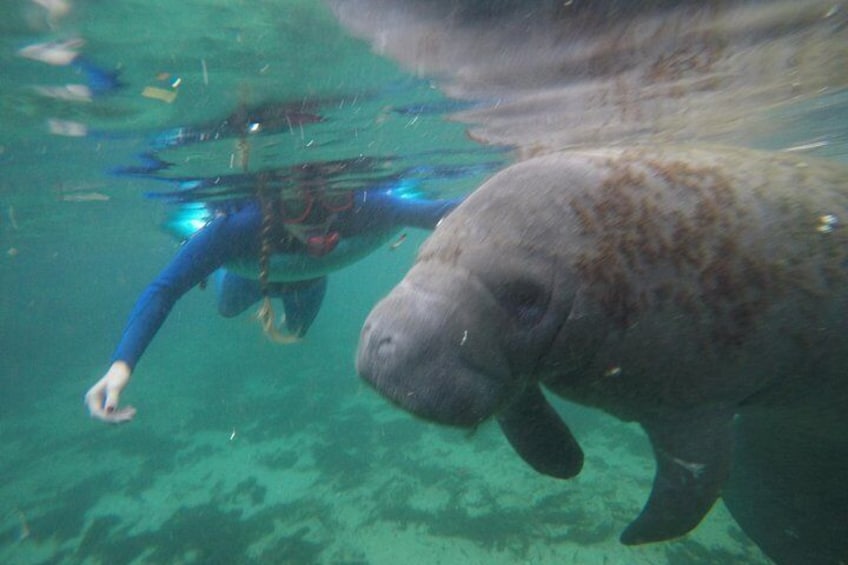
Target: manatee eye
[524,300]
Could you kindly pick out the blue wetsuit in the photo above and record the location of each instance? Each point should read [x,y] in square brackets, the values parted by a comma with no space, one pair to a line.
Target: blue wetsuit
[298,273]
[99,80]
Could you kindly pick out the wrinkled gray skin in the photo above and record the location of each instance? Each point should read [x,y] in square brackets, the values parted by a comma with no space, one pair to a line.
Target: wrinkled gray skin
[547,75]
[697,291]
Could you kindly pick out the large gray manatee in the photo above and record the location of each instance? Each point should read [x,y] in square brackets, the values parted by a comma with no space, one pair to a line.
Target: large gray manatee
[699,291]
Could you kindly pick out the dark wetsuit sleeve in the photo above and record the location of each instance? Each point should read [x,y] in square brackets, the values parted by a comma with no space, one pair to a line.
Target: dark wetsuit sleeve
[222,240]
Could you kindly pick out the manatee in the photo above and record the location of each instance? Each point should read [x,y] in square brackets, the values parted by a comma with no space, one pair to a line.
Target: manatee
[697,290]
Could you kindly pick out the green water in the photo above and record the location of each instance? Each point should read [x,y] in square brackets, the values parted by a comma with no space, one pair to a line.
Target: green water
[244,451]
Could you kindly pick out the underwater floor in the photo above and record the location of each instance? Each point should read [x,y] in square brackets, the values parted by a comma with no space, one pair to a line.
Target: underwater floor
[362,485]
[249,452]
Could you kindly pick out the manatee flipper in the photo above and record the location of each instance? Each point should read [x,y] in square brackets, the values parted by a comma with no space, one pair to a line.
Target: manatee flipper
[693,462]
[301,301]
[539,436]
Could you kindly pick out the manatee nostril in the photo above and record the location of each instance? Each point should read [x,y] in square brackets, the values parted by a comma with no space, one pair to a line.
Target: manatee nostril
[385,346]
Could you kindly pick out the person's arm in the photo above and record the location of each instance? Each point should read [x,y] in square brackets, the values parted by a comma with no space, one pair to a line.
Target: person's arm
[424,214]
[223,239]
[384,207]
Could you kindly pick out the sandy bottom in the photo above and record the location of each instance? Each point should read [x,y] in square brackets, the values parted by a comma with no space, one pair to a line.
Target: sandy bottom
[307,474]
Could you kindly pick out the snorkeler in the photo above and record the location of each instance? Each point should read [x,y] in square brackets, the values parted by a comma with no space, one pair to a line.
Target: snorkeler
[278,245]
[98,81]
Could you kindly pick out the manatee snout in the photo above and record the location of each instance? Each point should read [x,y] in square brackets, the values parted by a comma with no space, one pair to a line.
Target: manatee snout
[414,352]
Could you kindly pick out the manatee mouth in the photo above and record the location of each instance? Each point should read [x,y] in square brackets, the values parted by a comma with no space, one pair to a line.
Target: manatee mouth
[453,395]
[415,355]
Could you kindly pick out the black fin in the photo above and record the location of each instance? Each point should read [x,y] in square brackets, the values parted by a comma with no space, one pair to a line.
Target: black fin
[539,435]
[693,462]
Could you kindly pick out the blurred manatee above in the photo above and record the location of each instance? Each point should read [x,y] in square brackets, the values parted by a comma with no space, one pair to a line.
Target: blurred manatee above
[549,77]
[555,75]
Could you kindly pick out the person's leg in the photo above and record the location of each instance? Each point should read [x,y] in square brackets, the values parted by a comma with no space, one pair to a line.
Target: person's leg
[301,301]
[235,294]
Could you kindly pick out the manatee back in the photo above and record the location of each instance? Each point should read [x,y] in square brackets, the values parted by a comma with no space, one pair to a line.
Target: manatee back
[707,273]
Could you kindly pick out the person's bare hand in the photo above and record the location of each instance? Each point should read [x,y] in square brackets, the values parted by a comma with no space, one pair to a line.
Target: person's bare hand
[102,399]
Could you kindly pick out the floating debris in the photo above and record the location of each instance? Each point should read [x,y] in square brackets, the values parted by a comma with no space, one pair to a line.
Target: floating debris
[397,243]
[806,146]
[612,371]
[67,128]
[55,8]
[67,92]
[24,531]
[205,72]
[84,197]
[160,94]
[57,53]
[10,212]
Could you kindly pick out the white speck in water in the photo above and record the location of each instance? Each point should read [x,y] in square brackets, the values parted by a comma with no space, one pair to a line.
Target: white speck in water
[612,371]
[827,223]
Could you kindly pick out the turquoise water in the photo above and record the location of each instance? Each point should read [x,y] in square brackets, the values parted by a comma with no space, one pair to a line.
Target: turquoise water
[244,451]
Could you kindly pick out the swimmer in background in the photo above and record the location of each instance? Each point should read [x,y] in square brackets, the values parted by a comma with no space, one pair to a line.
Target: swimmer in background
[279,245]
[98,81]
